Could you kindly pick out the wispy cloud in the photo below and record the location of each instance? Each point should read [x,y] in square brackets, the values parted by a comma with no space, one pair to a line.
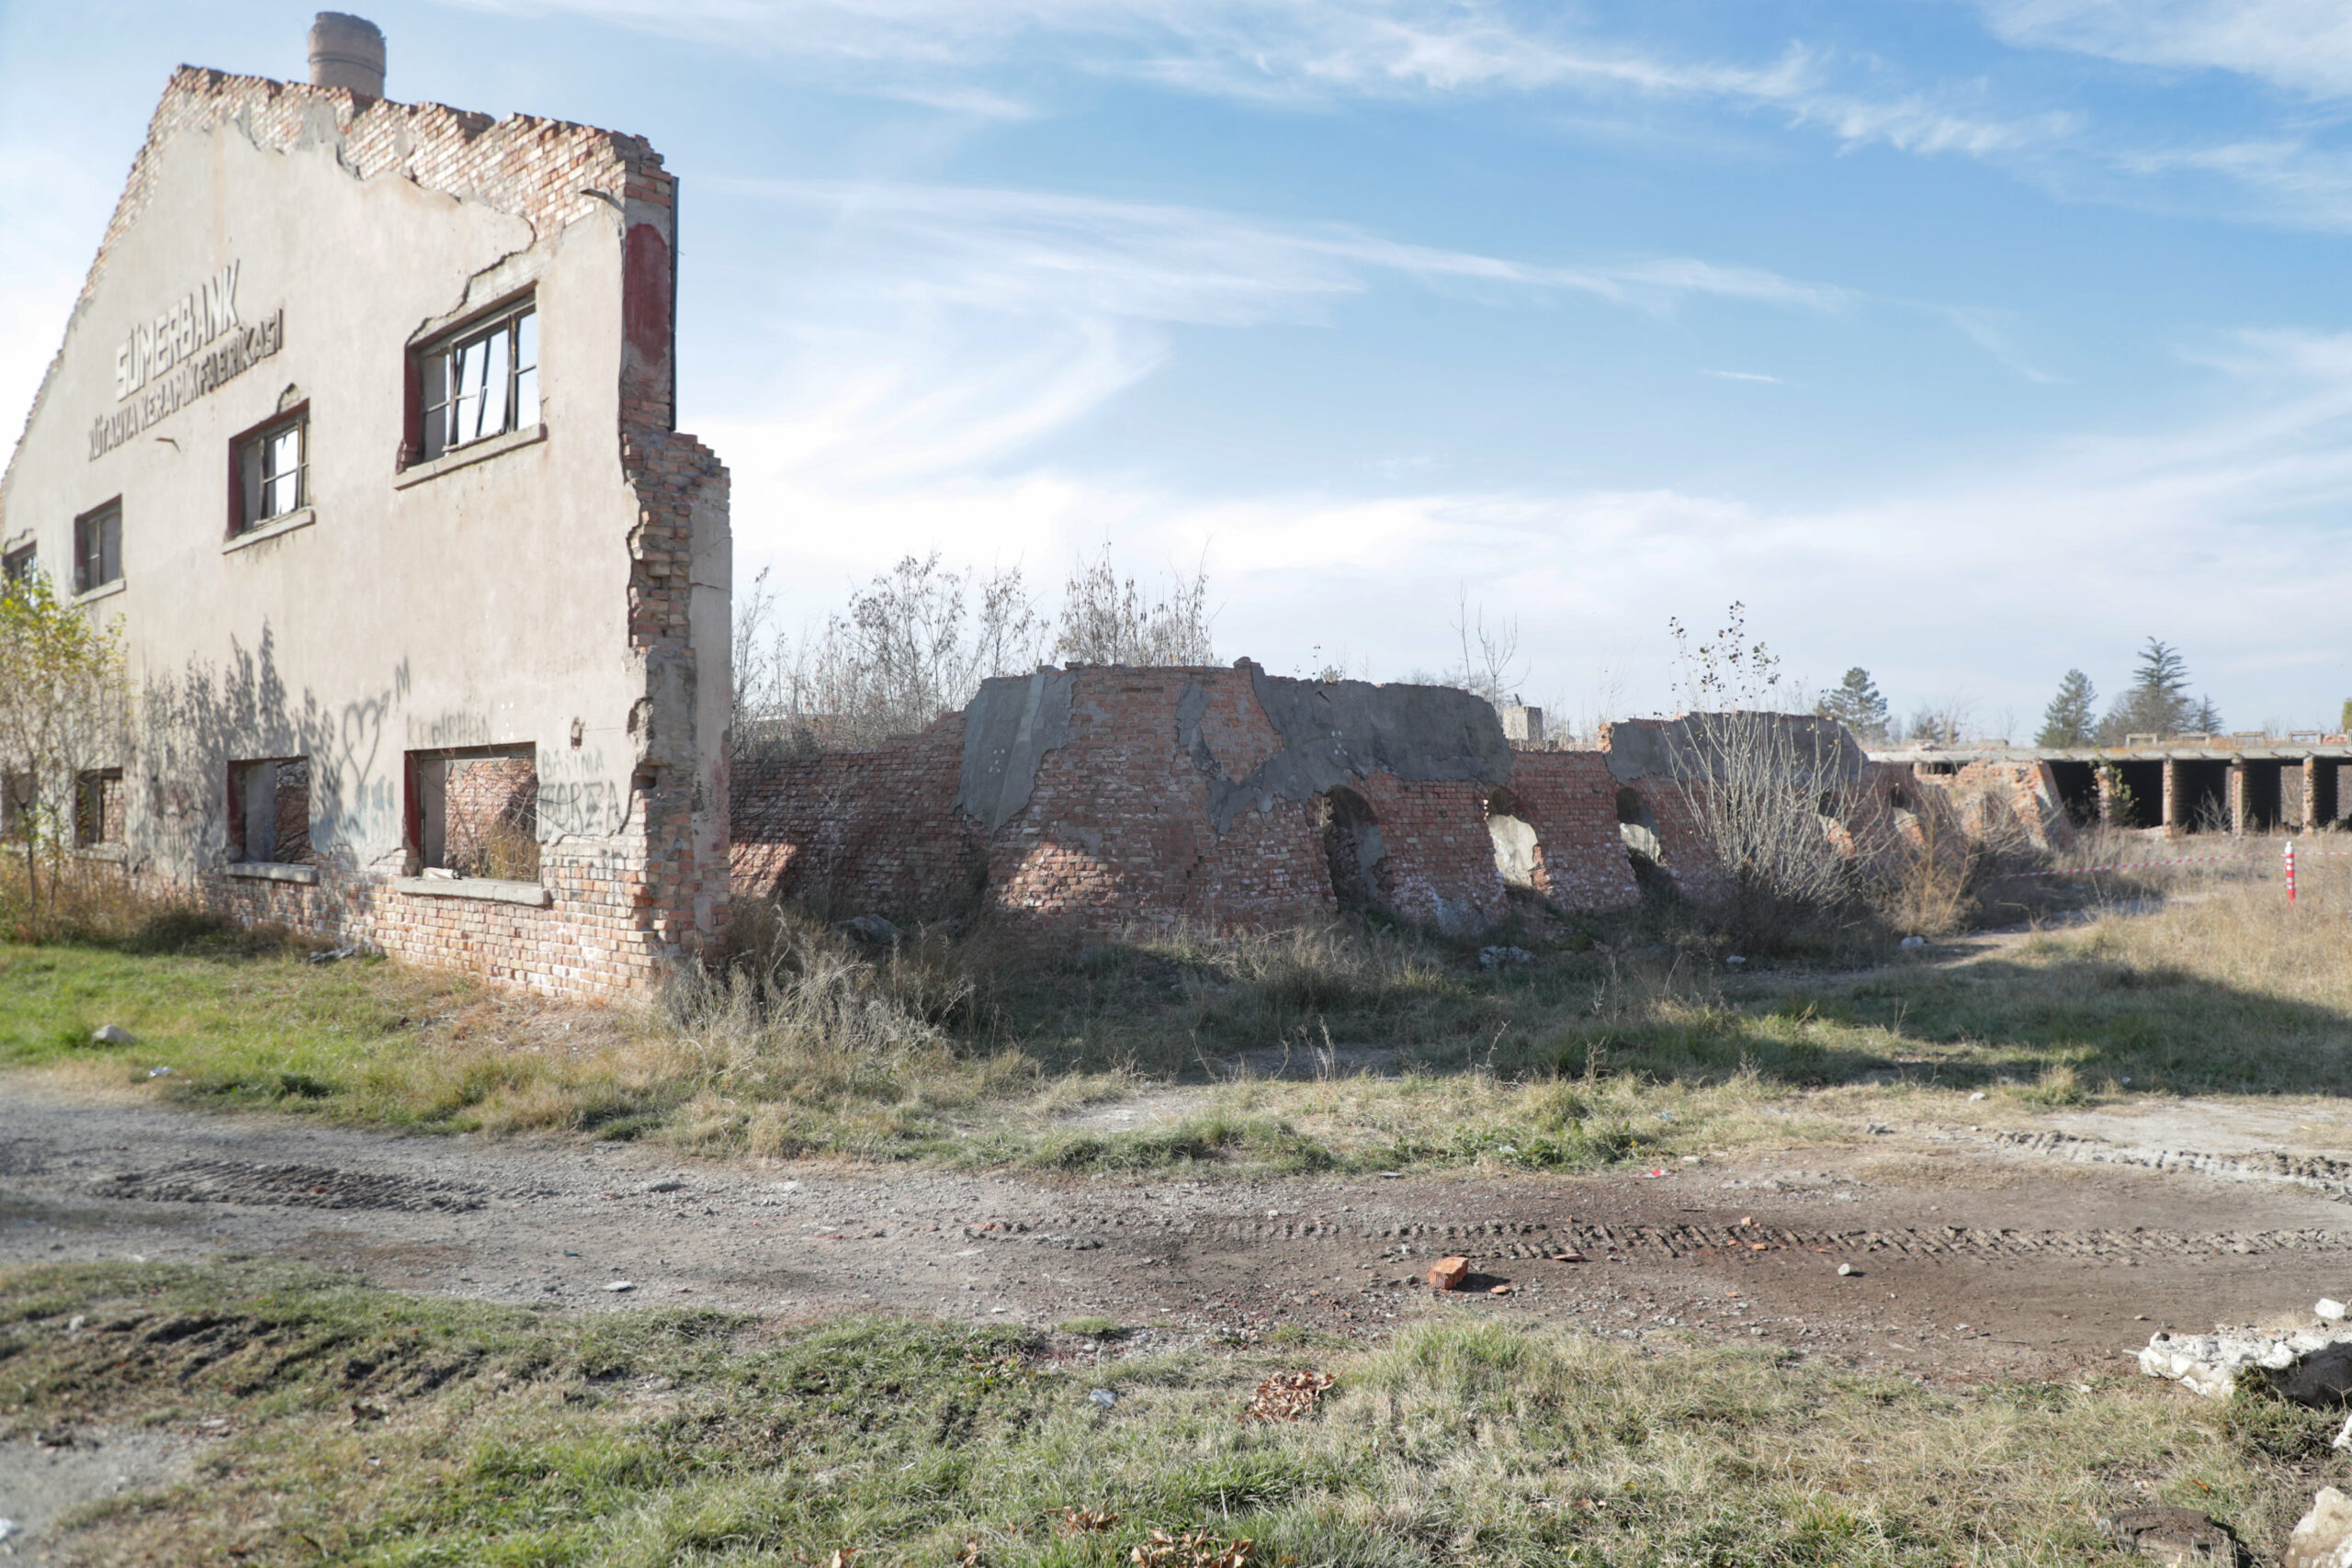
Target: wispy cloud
[1745,376]
[2081,549]
[935,327]
[2301,45]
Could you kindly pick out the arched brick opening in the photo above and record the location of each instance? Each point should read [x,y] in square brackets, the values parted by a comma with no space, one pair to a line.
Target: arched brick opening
[1637,827]
[1352,846]
[1518,858]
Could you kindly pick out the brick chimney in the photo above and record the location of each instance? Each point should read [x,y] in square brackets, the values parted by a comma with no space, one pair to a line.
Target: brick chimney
[347,52]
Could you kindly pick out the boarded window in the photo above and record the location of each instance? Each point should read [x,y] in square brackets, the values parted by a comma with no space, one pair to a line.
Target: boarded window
[98,807]
[270,811]
[476,811]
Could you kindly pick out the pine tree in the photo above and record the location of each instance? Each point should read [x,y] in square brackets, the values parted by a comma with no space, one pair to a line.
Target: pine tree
[2158,702]
[1856,703]
[2072,715]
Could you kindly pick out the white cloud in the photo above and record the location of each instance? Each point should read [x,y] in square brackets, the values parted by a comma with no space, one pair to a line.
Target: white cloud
[2303,45]
[1952,581]
[934,329]
[1745,376]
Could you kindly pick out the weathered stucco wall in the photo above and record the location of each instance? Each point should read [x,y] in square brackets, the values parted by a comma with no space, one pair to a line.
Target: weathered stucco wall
[565,588]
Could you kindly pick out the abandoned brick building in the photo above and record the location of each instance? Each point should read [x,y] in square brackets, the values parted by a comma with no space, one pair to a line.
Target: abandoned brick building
[362,432]
[1098,799]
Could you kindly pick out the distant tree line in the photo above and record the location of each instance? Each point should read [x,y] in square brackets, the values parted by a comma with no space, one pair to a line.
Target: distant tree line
[2158,702]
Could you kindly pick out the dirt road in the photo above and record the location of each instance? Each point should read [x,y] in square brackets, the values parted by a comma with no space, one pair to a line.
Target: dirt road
[1975,1252]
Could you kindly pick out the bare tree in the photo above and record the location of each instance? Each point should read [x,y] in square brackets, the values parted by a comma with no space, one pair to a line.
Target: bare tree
[1491,662]
[1108,619]
[1772,796]
[914,643]
[63,700]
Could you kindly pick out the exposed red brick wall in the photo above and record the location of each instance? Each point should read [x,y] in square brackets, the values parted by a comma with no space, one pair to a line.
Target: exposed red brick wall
[875,830]
[1570,799]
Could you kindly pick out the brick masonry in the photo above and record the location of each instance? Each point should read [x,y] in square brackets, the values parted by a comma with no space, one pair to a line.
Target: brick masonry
[621,907]
[1118,830]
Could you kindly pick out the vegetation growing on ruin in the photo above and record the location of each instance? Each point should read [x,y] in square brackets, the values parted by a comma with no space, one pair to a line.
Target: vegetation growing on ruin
[1351,1047]
[325,1422]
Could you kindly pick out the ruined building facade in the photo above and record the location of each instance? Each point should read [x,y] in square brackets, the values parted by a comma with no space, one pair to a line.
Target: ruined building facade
[1098,800]
[362,432]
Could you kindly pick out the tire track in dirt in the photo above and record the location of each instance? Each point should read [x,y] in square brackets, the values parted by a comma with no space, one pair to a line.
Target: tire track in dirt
[1518,1240]
[2316,1173]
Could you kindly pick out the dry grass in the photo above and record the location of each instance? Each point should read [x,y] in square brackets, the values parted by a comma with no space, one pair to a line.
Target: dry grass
[490,1435]
[1337,1048]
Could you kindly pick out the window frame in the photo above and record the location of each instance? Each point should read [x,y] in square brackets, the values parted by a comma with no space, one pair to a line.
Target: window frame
[90,807]
[19,564]
[257,440]
[98,517]
[439,408]
[240,822]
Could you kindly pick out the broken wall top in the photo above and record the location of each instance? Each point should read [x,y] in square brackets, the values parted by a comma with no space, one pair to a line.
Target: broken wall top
[1328,735]
[547,172]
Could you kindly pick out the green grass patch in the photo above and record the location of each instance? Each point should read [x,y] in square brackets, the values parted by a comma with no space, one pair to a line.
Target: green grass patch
[364,1427]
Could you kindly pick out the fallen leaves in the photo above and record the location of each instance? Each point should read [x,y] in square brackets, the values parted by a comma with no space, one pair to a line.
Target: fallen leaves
[1286,1396]
[1085,1521]
[1191,1550]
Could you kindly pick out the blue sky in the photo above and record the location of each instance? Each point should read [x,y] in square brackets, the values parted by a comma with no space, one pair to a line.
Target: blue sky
[1965,341]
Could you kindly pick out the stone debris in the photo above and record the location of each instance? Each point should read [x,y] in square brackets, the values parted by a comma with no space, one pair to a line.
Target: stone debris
[618,1286]
[1447,1273]
[1496,957]
[2306,1367]
[2329,1308]
[871,928]
[2172,1535]
[2323,1536]
[1845,1270]
[112,1034]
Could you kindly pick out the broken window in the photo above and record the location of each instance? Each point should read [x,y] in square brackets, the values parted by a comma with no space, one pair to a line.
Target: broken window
[482,381]
[476,812]
[98,807]
[18,565]
[270,811]
[98,548]
[273,471]
[1514,837]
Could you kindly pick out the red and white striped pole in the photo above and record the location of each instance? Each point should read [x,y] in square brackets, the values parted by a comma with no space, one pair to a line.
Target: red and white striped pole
[2291,870]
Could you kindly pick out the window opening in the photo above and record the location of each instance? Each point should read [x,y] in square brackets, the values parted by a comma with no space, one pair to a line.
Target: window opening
[17,800]
[476,812]
[1516,858]
[98,807]
[1637,828]
[98,548]
[18,565]
[270,811]
[273,471]
[483,382]
[1352,847]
